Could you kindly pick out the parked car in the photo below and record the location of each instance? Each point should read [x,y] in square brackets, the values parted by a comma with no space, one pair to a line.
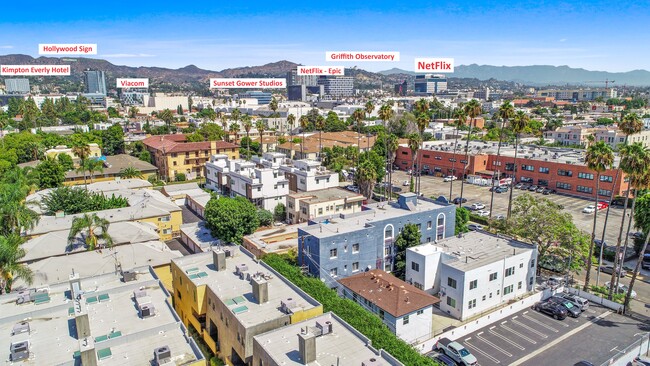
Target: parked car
[477,206]
[589,209]
[500,217]
[641,361]
[557,311]
[444,360]
[609,269]
[518,185]
[474,227]
[540,189]
[483,213]
[457,200]
[532,188]
[449,178]
[571,309]
[406,183]
[352,188]
[584,363]
[580,302]
[622,289]
[456,351]
[602,205]
[547,191]
[501,189]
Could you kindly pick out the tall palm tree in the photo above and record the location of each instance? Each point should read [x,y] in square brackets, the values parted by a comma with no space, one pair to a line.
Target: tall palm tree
[11,253]
[82,151]
[634,158]
[366,177]
[414,141]
[320,125]
[358,115]
[472,110]
[93,228]
[386,113]
[92,166]
[421,106]
[235,114]
[247,124]
[234,129]
[393,145]
[167,116]
[224,121]
[273,105]
[259,126]
[304,122]
[369,107]
[15,215]
[130,173]
[519,123]
[421,120]
[461,119]
[599,157]
[642,183]
[291,120]
[506,112]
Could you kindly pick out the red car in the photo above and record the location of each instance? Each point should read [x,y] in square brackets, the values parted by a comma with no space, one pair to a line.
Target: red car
[602,205]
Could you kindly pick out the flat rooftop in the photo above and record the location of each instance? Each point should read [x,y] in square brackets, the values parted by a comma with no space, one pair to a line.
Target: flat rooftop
[229,287]
[343,346]
[474,249]
[200,235]
[327,195]
[117,331]
[276,239]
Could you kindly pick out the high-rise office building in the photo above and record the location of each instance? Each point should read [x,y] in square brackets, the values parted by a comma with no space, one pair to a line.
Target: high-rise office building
[430,83]
[17,86]
[95,82]
[294,79]
[337,86]
[262,97]
[400,89]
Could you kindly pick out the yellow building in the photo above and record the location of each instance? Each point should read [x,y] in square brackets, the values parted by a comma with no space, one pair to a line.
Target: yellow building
[229,297]
[95,151]
[172,154]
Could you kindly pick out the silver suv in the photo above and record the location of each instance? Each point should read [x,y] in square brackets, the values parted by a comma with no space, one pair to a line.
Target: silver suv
[580,302]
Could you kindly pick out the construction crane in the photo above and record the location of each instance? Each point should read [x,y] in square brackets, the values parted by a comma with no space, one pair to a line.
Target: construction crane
[606,81]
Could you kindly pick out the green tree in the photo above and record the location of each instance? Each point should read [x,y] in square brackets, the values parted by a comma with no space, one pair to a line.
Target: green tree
[599,157]
[133,111]
[386,113]
[93,229]
[265,217]
[15,215]
[65,161]
[230,219]
[145,156]
[358,116]
[247,124]
[180,177]
[519,123]
[462,218]
[50,173]
[414,141]
[320,125]
[642,222]
[273,105]
[280,212]
[291,120]
[260,127]
[112,112]
[130,173]
[472,110]
[461,119]
[304,122]
[11,269]
[81,151]
[506,113]
[366,177]
[333,123]
[113,140]
[409,237]
[167,116]
[93,166]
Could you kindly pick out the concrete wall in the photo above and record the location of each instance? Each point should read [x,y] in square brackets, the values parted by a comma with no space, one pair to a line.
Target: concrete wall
[596,299]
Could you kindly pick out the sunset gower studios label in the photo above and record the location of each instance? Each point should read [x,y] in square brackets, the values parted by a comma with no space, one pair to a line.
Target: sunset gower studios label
[225,83]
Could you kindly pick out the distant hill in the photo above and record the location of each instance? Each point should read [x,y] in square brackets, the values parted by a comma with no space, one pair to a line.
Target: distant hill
[395,71]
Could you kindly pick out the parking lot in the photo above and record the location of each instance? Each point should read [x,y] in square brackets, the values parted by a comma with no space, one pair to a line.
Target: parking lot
[532,338]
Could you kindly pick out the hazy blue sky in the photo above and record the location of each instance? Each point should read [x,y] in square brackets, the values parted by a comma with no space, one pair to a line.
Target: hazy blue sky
[596,35]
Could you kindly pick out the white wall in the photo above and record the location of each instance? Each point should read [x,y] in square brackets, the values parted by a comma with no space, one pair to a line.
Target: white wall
[418,326]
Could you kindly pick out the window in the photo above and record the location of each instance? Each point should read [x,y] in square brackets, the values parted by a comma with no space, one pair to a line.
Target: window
[529,168]
[564,173]
[451,282]
[472,303]
[453,160]
[415,266]
[429,225]
[473,284]
[526,180]
[510,167]
[405,320]
[530,281]
[438,157]
[606,178]
[420,312]
[355,248]
[381,314]
[532,263]
[589,176]
[483,298]
[562,185]
[493,276]
[320,210]
[333,253]
[388,232]
[510,271]
[418,285]
[165,219]
[355,266]
[521,265]
[507,289]
[519,286]
[451,302]
[584,189]
[543,170]
[605,192]
[334,272]
[490,295]
[542,182]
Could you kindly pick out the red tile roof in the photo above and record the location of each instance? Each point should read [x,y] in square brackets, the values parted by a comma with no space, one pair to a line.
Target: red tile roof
[176,143]
[388,292]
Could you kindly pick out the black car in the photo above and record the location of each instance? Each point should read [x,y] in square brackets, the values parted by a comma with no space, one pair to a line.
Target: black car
[553,309]
[445,360]
[548,191]
[501,189]
[571,309]
[457,200]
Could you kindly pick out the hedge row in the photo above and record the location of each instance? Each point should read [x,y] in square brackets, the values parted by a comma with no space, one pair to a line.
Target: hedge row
[478,219]
[368,324]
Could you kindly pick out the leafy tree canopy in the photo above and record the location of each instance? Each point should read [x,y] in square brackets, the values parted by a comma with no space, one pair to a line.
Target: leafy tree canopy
[230,219]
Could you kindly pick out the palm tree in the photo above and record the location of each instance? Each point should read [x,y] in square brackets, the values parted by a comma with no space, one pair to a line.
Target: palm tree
[358,115]
[15,215]
[304,122]
[93,228]
[92,166]
[11,269]
[366,177]
[421,119]
[291,120]
[273,105]
[472,110]
[168,116]
[234,129]
[393,145]
[259,126]
[421,106]
[642,182]
[369,107]
[599,157]
[133,111]
[235,114]
[519,123]
[224,122]
[461,119]
[414,141]
[320,126]
[635,158]
[131,172]
[82,151]
[506,112]
[246,122]
[386,113]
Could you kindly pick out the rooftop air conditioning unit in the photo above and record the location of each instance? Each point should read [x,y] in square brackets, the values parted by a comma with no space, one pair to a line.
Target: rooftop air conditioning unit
[147,310]
[287,304]
[371,362]
[139,293]
[19,351]
[128,276]
[324,326]
[241,269]
[162,355]
[25,296]
[228,253]
[19,328]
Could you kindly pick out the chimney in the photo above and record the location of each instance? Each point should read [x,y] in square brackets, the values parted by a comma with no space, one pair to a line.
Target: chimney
[213,147]
[83,326]
[307,347]
[219,259]
[88,357]
[260,289]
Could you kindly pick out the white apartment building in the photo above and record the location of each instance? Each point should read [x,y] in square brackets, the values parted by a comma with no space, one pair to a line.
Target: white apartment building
[309,175]
[473,272]
[322,203]
[216,172]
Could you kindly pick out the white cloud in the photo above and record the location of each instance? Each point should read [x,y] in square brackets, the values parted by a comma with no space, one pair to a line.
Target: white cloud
[563,40]
[6,47]
[127,55]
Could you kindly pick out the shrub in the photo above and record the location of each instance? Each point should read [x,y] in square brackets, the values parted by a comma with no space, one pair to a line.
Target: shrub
[265,217]
[73,200]
[180,177]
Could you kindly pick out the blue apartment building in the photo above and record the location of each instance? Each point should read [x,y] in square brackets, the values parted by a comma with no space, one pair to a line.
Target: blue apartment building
[344,245]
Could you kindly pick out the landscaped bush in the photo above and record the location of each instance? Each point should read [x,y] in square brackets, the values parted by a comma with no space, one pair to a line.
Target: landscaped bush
[78,200]
[478,219]
[367,323]
[604,293]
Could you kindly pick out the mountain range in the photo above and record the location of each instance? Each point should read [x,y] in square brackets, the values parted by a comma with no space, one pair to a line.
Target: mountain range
[544,75]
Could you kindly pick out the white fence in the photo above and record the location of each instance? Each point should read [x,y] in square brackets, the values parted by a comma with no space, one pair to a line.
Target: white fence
[479,323]
[596,299]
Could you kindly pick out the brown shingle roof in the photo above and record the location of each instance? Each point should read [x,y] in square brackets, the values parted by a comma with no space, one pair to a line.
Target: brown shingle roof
[388,292]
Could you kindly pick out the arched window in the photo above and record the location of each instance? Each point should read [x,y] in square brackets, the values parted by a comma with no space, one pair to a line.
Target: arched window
[388,232]
[440,226]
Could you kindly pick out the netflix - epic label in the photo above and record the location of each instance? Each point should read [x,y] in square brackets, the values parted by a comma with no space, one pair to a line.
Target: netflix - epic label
[321,70]
[440,65]
[132,83]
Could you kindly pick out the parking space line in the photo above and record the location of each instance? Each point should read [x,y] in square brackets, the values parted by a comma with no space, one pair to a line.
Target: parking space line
[491,330]
[529,328]
[481,351]
[478,336]
[541,323]
[517,333]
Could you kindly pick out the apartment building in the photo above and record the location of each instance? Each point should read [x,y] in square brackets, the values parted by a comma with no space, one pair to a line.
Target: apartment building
[113,166]
[578,95]
[308,175]
[229,297]
[310,147]
[406,310]
[472,273]
[570,135]
[349,244]
[172,154]
[95,151]
[324,203]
